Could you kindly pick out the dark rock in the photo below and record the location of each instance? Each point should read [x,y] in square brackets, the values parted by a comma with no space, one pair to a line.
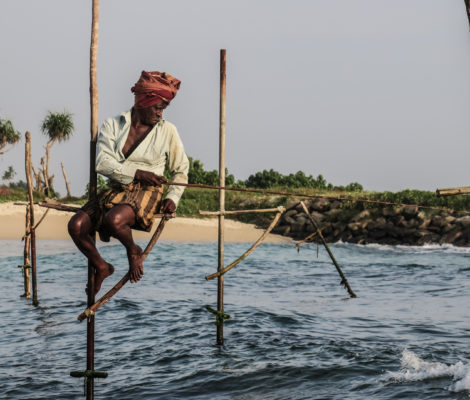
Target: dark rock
[452,236]
[321,205]
[464,221]
[290,213]
[298,226]
[319,218]
[410,212]
[282,229]
[346,236]
[449,219]
[377,224]
[332,215]
[335,204]
[448,228]
[437,221]
[361,216]
[391,212]
[424,224]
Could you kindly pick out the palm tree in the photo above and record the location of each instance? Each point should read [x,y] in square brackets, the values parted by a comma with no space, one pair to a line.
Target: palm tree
[8,135]
[58,127]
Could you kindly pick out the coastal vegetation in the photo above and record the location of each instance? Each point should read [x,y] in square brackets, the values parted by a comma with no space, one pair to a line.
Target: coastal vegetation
[8,135]
[58,127]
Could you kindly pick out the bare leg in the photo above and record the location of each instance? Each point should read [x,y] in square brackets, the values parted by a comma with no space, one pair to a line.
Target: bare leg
[118,222]
[80,229]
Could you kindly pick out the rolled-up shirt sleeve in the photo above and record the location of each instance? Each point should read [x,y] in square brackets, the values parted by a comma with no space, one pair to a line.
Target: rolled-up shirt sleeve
[107,161]
[179,166]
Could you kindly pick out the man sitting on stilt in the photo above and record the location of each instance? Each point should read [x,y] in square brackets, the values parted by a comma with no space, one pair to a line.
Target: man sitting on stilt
[132,151]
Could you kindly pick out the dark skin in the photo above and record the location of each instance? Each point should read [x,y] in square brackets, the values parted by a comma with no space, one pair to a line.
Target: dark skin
[119,219]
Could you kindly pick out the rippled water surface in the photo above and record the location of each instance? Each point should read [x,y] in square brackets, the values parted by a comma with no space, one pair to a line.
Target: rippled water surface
[293,332]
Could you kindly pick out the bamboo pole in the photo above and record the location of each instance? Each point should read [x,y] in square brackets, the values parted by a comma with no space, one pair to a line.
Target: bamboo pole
[67,183]
[62,207]
[309,196]
[29,181]
[236,212]
[344,281]
[250,250]
[91,310]
[453,191]
[221,226]
[90,359]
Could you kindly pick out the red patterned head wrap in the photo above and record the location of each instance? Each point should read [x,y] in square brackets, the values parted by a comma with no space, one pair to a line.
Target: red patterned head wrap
[154,88]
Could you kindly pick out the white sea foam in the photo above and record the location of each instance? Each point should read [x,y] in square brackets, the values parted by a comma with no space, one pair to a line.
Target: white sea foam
[414,368]
[425,248]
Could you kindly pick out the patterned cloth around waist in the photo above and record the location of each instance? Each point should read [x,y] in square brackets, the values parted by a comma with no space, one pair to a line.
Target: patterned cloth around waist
[144,200]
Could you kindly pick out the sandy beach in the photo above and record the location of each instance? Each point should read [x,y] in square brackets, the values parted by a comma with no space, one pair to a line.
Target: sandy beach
[54,226]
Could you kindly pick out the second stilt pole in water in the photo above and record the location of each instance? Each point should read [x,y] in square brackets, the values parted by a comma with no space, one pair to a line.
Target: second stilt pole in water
[220,266]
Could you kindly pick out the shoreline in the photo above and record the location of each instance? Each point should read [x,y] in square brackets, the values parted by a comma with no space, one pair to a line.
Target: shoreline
[183,229]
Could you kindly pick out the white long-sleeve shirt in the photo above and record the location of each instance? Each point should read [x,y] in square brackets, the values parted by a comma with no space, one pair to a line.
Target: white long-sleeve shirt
[161,144]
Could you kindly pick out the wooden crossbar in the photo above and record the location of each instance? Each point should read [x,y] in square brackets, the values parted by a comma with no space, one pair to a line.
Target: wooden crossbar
[250,250]
[235,212]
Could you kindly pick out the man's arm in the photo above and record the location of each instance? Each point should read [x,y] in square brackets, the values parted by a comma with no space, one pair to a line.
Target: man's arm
[179,166]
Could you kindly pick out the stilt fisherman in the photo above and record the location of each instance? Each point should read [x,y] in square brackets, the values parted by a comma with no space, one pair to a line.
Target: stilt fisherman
[132,151]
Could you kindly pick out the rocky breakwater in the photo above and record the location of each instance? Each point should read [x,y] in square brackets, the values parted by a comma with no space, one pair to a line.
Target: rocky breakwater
[398,225]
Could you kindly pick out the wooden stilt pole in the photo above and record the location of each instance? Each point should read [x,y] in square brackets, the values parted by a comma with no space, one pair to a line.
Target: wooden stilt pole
[67,183]
[29,181]
[220,267]
[90,353]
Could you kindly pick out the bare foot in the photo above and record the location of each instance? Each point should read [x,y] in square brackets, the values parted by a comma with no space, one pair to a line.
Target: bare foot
[136,268]
[100,275]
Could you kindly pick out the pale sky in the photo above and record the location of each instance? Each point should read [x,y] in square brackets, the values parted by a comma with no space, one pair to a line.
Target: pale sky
[373,91]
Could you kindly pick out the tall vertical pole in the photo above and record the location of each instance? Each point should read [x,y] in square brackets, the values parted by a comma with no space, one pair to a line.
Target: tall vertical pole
[29,180]
[220,281]
[90,359]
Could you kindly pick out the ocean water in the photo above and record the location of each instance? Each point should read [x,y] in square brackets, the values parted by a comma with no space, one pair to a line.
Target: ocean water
[293,332]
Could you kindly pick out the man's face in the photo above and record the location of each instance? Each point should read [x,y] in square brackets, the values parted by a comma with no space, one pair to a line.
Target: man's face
[151,115]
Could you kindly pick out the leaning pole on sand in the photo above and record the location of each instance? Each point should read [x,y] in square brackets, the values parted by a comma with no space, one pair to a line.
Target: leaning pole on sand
[221,227]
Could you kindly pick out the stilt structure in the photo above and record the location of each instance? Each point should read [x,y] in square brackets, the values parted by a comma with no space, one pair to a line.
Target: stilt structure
[27,261]
[32,235]
[220,266]
[90,374]
[90,338]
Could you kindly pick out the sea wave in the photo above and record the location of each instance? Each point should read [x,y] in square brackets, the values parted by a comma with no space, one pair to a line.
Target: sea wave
[414,368]
[427,248]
